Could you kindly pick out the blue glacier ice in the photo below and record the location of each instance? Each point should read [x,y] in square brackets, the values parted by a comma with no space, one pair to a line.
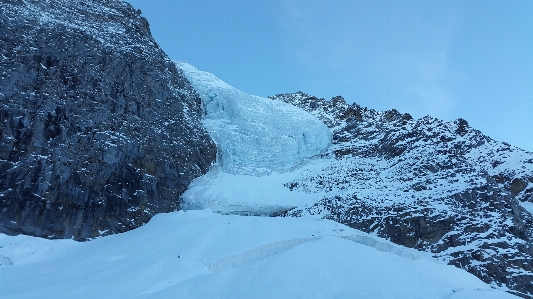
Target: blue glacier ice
[255,135]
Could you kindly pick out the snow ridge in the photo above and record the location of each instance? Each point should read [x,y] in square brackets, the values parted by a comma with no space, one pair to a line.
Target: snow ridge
[257,253]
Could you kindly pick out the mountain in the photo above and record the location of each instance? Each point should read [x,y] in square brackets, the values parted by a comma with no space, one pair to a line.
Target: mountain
[440,187]
[99,130]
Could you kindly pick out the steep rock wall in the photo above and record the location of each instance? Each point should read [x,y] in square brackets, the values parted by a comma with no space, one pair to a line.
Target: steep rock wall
[99,130]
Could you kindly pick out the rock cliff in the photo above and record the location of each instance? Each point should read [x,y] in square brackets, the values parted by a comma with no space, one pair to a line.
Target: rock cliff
[99,130]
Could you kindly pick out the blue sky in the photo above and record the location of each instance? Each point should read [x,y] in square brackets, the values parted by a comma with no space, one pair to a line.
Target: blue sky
[447,59]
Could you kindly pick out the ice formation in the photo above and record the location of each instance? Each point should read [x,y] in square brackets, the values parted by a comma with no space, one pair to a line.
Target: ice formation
[255,135]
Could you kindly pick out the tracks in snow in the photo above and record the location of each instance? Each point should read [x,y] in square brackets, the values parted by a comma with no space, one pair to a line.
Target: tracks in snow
[255,254]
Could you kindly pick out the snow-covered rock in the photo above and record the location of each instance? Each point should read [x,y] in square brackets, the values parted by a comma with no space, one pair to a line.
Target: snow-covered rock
[99,130]
[441,187]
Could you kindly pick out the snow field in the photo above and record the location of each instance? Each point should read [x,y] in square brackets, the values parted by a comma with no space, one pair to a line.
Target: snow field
[200,254]
[228,193]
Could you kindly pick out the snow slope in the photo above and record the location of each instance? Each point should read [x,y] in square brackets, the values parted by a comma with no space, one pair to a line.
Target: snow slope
[200,254]
[266,195]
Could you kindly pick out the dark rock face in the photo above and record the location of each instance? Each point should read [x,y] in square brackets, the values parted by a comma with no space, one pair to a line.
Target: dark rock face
[440,187]
[99,130]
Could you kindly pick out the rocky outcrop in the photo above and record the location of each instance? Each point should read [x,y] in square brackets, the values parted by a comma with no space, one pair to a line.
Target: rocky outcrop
[440,187]
[99,130]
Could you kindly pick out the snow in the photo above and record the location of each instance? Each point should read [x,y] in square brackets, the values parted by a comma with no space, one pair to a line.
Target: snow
[255,135]
[527,205]
[200,254]
[229,193]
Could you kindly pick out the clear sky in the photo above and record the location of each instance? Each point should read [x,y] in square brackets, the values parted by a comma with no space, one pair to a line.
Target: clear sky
[447,59]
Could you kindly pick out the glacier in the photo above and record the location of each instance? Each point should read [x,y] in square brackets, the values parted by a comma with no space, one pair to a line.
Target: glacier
[255,135]
[261,145]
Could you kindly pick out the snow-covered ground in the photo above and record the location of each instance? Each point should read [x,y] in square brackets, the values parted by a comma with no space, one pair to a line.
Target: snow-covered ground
[200,254]
[229,193]
[527,205]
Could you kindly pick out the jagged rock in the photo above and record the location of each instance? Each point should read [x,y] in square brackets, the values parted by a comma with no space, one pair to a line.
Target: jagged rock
[440,187]
[99,130]
[518,185]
